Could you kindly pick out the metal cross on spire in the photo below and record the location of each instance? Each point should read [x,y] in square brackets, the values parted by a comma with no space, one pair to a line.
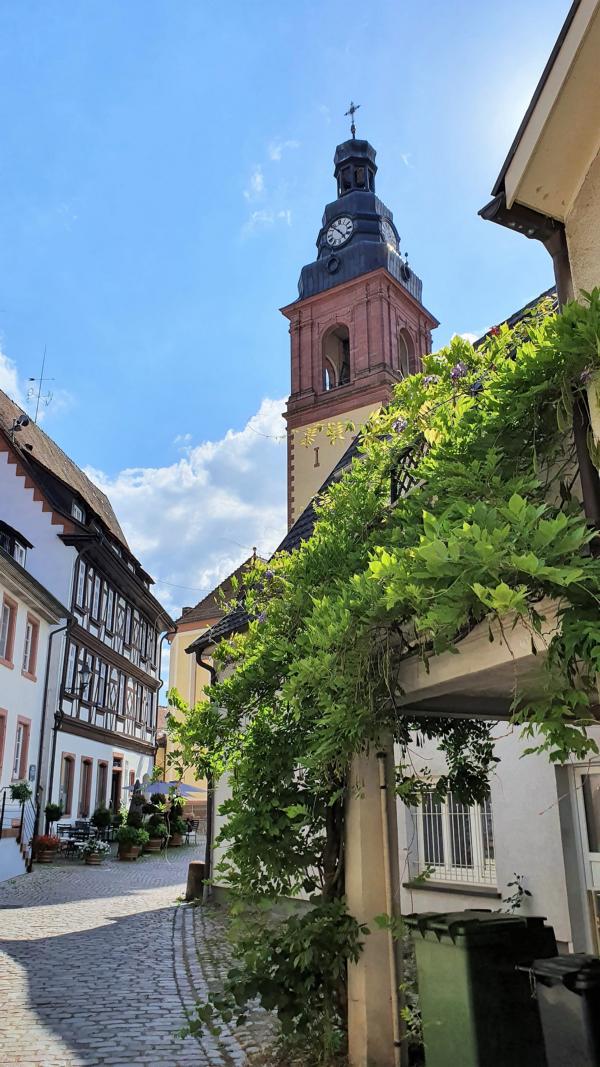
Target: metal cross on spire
[352,111]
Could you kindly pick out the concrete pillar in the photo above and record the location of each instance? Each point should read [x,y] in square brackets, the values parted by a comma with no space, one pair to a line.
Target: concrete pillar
[371,993]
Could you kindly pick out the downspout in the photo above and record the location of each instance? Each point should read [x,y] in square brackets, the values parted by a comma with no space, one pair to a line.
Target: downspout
[389,907]
[210,798]
[38,780]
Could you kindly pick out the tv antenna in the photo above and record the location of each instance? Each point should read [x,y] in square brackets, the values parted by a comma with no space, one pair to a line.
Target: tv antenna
[35,390]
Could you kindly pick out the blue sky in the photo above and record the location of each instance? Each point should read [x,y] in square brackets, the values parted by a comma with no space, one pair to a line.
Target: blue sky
[164,168]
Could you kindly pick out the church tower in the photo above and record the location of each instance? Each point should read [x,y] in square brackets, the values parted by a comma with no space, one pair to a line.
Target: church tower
[357,327]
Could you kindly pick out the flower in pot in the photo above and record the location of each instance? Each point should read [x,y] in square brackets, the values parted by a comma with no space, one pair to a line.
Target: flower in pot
[157,831]
[101,819]
[94,851]
[178,827]
[45,847]
[53,813]
[21,791]
[131,841]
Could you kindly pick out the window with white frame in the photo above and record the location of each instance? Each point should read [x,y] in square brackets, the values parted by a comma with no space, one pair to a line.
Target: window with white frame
[77,512]
[30,646]
[8,614]
[455,841]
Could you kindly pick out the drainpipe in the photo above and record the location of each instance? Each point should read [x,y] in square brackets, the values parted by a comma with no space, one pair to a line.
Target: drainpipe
[210,799]
[38,780]
[389,907]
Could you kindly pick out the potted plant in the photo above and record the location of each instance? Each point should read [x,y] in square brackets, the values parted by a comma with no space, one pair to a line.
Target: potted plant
[94,851]
[157,831]
[131,841]
[45,847]
[178,827]
[53,813]
[101,819]
[21,791]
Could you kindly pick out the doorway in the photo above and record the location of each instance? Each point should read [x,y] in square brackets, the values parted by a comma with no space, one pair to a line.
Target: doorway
[588,799]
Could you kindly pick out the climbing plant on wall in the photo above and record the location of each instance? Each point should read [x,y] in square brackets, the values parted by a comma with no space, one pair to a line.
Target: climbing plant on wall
[491,531]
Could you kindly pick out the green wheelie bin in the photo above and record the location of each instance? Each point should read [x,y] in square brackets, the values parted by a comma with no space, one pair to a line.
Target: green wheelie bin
[477,1007]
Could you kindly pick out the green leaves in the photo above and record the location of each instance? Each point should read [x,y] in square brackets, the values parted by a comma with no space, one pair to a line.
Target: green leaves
[489,527]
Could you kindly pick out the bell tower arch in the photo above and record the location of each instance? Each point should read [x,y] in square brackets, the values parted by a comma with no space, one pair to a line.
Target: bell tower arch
[357,327]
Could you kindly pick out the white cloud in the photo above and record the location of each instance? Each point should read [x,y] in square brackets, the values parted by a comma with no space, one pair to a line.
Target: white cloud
[468,336]
[265,217]
[256,185]
[9,380]
[405,157]
[193,522]
[277,148]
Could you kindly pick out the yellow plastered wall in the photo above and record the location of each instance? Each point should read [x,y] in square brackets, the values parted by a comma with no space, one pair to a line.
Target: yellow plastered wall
[310,468]
[583,232]
[189,679]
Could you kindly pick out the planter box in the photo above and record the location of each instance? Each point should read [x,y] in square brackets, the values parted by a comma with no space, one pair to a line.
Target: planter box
[175,841]
[46,855]
[154,845]
[94,860]
[129,852]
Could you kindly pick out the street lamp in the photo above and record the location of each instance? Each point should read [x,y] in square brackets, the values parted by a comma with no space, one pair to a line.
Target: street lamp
[84,680]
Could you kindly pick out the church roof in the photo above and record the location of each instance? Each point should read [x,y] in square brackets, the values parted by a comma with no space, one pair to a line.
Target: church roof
[238,619]
[52,467]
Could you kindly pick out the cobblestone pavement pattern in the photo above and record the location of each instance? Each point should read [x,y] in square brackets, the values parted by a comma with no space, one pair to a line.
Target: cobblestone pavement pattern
[99,965]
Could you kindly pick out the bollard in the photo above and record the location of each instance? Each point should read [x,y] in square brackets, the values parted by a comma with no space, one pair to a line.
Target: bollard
[195,881]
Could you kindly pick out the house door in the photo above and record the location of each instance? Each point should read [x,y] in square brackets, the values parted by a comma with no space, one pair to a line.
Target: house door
[588,794]
[115,790]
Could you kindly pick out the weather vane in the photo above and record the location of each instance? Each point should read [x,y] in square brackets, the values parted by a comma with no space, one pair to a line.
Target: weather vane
[352,111]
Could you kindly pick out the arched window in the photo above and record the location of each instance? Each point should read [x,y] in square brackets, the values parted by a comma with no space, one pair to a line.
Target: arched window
[336,358]
[406,353]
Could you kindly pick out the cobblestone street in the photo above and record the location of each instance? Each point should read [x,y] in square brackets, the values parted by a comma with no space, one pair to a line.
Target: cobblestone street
[98,965]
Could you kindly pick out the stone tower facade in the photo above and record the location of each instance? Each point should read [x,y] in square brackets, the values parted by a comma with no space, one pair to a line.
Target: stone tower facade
[357,327]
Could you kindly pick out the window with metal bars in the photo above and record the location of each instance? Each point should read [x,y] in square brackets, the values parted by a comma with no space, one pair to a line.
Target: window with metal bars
[455,841]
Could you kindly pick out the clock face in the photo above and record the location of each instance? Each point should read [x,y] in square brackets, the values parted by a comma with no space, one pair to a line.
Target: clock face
[340,231]
[387,232]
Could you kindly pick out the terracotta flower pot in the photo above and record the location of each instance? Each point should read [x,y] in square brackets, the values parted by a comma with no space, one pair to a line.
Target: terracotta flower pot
[175,840]
[129,852]
[46,855]
[94,859]
[153,845]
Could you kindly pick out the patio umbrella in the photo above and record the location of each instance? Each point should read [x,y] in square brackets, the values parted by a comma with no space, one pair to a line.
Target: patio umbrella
[165,787]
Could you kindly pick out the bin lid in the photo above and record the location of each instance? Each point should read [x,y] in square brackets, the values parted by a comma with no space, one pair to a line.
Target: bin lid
[481,925]
[577,971]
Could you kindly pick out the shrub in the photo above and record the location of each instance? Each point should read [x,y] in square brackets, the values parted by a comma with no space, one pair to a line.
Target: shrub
[53,812]
[132,835]
[157,799]
[178,825]
[157,826]
[101,818]
[21,791]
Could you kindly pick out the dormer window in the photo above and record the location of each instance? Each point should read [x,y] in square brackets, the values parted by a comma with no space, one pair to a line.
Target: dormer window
[14,543]
[77,512]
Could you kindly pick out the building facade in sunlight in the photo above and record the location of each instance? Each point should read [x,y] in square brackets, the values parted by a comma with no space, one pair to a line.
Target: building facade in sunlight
[101,676]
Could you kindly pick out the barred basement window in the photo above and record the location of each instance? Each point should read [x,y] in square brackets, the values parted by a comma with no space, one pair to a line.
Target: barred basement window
[456,841]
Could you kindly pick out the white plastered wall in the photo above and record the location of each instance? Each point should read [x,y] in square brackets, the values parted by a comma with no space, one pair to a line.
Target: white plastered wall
[80,747]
